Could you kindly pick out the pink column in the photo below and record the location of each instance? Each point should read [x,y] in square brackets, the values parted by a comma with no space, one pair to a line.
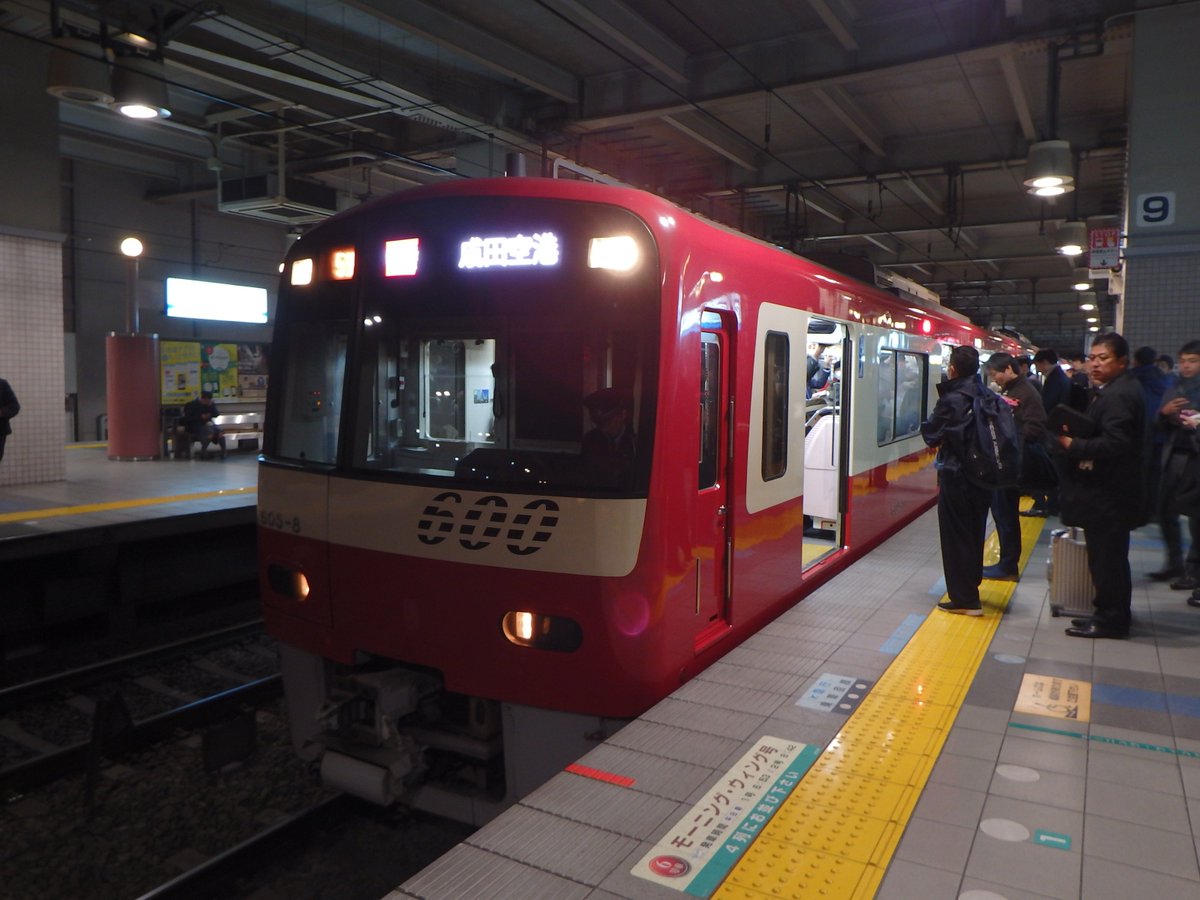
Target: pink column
[134,420]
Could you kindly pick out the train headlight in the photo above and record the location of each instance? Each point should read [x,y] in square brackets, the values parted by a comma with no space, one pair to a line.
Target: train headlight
[287,582]
[302,271]
[619,253]
[531,629]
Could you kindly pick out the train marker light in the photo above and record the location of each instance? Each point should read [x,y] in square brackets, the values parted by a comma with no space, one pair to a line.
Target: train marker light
[341,264]
[926,326]
[619,253]
[302,271]
[530,629]
[401,257]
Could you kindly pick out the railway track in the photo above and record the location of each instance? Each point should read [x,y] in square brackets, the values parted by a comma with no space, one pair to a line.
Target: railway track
[64,724]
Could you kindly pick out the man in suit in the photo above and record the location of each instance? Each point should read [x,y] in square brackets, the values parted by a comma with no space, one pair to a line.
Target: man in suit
[1030,418]
[1102,487]
[1056,389]
[9,407]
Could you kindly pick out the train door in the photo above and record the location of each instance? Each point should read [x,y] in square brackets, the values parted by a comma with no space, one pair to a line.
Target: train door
[712,533]
[827,438]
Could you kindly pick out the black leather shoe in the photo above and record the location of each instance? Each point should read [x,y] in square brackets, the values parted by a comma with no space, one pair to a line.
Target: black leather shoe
[1186,583]
[1035,512]
[1165,574]
[998,573]
[1194,600]
[1082,623]
[1094,629]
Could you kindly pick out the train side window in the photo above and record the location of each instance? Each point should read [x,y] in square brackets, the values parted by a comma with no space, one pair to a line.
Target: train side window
[903,394]
[776,358]
[710,410]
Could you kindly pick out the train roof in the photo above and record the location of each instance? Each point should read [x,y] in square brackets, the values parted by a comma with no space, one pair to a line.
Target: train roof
[650,207]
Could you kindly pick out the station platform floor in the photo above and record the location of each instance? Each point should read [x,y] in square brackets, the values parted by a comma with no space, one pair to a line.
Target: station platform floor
[103,493]
[866,744]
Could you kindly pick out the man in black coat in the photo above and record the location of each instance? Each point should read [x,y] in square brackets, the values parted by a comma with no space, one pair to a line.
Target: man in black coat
[9,407]
[1102,487]
[1056,389]
[962,506]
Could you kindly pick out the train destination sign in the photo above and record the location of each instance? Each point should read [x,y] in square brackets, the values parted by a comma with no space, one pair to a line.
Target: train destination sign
[499,252]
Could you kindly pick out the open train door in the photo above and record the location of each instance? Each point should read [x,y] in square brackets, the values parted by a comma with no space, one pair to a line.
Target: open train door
[713,538]
[827,440]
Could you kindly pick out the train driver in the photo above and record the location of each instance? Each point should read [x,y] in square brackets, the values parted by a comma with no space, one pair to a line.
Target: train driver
[612,436]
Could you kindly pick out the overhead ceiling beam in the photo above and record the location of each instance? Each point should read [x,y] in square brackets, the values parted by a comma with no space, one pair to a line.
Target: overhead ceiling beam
[834,23]
[616,23]
[478,45]
[1016,90]
[849,114]
[720,140]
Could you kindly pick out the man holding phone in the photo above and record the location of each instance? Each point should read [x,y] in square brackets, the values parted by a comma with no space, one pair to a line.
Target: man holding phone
[1181,405]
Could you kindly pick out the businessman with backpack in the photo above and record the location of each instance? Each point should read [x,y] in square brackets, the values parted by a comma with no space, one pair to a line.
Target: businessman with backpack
[1103,483]
[954,427]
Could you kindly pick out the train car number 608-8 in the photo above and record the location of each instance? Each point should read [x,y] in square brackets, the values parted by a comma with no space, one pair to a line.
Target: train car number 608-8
[270,518]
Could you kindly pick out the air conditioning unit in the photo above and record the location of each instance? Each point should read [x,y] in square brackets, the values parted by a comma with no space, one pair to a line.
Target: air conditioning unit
[287,201]
[907,288]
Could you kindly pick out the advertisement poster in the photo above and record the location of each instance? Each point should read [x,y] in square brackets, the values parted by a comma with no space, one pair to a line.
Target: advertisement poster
[218,370]
[252,371]
[180,363]
[230,371]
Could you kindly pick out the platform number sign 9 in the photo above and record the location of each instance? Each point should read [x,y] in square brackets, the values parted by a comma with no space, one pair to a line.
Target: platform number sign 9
[1155,209]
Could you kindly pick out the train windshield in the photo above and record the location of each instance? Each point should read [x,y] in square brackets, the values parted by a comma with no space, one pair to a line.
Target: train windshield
[490,368]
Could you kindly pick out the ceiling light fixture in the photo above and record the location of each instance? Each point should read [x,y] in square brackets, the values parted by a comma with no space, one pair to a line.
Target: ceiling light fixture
[140,88]
[1072,238]
[1087,307]
[1049,169]
[1082,280]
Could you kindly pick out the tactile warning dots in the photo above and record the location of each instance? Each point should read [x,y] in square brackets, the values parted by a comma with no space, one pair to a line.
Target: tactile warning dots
[836,832]
[879,763]
[882,799]
[777,869]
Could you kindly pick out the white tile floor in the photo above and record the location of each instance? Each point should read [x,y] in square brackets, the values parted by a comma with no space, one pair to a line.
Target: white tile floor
[1108,808]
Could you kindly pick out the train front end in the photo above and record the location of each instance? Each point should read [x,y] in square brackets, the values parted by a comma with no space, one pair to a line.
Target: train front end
[454,492]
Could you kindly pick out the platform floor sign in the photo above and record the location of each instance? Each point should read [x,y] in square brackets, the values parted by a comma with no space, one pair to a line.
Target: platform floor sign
[1059,698]
[831,692]
[701,849]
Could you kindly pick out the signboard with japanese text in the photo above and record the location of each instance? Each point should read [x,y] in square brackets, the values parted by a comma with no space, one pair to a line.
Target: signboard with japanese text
[696,855]
[1060,698]
[1105,248]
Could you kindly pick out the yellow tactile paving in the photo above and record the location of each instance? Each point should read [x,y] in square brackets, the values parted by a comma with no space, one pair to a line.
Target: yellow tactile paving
[30,515]
[836,834]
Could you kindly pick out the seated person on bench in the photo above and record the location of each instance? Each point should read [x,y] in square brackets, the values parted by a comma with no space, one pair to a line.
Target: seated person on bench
[198,424]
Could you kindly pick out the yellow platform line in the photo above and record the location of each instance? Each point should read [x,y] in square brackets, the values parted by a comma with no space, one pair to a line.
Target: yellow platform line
[836,833]
[29,515]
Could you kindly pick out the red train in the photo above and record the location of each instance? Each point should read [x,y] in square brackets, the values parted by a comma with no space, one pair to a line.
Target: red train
[539,451]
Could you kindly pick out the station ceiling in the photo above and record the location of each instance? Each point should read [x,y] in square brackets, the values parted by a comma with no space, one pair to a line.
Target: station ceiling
[895,130]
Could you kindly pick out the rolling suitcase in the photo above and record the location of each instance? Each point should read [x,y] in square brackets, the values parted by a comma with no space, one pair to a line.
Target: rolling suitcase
[1071,589]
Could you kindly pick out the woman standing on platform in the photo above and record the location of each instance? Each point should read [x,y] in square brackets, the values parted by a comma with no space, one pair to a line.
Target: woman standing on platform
[9,407]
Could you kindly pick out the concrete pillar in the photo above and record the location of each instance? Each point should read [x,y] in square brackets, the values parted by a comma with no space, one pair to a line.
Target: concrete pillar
[134,420]
[1162,274]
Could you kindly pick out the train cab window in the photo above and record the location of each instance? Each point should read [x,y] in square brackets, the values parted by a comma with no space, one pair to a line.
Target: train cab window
[506,410]
[903,394]
[309,416]
[775,406]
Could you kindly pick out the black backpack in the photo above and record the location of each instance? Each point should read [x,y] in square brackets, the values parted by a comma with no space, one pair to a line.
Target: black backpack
[992,457]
